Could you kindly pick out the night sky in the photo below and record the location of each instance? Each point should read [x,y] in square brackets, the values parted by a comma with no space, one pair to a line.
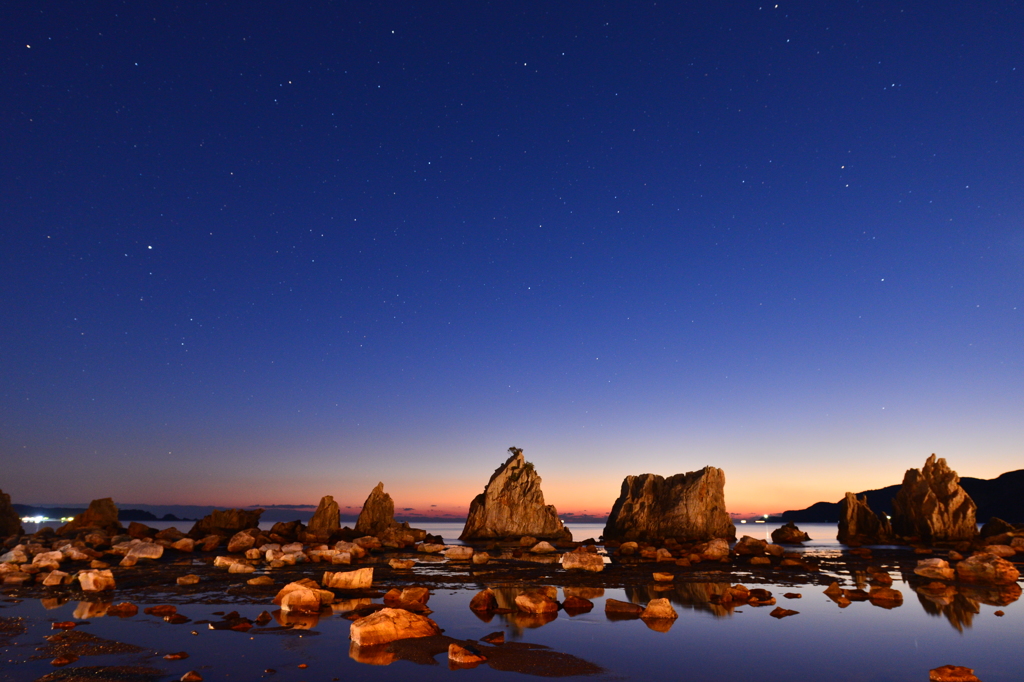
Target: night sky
[256,254]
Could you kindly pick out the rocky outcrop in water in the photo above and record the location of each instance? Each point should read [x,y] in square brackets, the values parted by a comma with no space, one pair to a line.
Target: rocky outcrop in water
[377,518]
[378,513]
[512,505]
[789,534]
[101,514]
[932,506]
[688,506]
[10,524]
[226,523]
[326,519]
[858,525]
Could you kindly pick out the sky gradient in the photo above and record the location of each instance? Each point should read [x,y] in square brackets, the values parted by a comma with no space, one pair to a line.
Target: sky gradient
[259,255]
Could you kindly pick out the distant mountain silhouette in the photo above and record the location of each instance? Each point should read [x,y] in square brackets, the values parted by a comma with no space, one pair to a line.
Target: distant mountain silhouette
[1002,497]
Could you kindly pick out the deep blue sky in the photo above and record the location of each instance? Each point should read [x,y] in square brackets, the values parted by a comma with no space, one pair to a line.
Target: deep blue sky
[262,254]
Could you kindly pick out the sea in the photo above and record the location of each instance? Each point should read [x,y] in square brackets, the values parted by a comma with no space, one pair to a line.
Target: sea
[822,641]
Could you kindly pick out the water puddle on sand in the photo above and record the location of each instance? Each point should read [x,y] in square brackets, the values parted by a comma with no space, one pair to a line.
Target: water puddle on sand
[709,640]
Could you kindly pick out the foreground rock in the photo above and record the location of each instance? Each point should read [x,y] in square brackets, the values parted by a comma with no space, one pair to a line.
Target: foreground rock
[326,519]
[389,625]
[952,673]
[688,506]
[987,569]
[858,525]
[932,506]
[101,515]
[226,523]
[512,505]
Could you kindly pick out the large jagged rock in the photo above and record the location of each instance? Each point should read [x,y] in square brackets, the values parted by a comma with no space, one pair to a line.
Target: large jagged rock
[326,519]
[859,525]
[10,524]
[688,506]
[226,523]
[932,506]
[377,518]
[512,505]
[377,514]
[101,514]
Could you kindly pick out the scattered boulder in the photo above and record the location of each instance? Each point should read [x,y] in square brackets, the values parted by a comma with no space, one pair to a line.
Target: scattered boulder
[360,579]
[622,608]
[462,656]
[659,608]
[326,519]
[101,514]
[224,524]
[932,506]
[242,540]
[789,534]
[543,547]
[987,569]
[934,569]
[582,561]
[688,506]
[858,525]
[303,596]
[484,601]
[747,545]
[536,602]
[512,505]
[96,581]
[458,553]
[10,523]
[389,625]
[780,613]
[401,564]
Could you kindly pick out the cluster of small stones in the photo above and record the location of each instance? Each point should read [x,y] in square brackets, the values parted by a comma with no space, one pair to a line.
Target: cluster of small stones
[747,550]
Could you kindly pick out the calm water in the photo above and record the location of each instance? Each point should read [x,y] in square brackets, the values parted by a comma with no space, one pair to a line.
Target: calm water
[823,642]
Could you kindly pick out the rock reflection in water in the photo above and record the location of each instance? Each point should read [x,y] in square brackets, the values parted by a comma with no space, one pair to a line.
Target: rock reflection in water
[959,603]
[590,593]
[694,596]
[51,603]
[346,605]
[939,599]
[91,609]
[295,620]
[371,655]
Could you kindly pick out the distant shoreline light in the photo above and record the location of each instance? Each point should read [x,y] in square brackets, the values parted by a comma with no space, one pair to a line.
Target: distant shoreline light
[44,519]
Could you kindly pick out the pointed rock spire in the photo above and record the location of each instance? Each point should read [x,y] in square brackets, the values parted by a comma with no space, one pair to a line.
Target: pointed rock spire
[512,505]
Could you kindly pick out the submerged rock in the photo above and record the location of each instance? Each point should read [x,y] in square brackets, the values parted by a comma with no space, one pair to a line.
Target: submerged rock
[512,505]
[10,523]
[101,514]
[932,506]
[689,506]
[326,519]
[858,525]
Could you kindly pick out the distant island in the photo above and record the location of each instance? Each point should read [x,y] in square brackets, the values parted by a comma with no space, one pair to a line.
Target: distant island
[29,511]
[998,497]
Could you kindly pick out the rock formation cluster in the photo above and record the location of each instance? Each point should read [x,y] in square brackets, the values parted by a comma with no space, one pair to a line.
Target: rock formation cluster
[688,506]
[512,506]
[858,525]
[931,505]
